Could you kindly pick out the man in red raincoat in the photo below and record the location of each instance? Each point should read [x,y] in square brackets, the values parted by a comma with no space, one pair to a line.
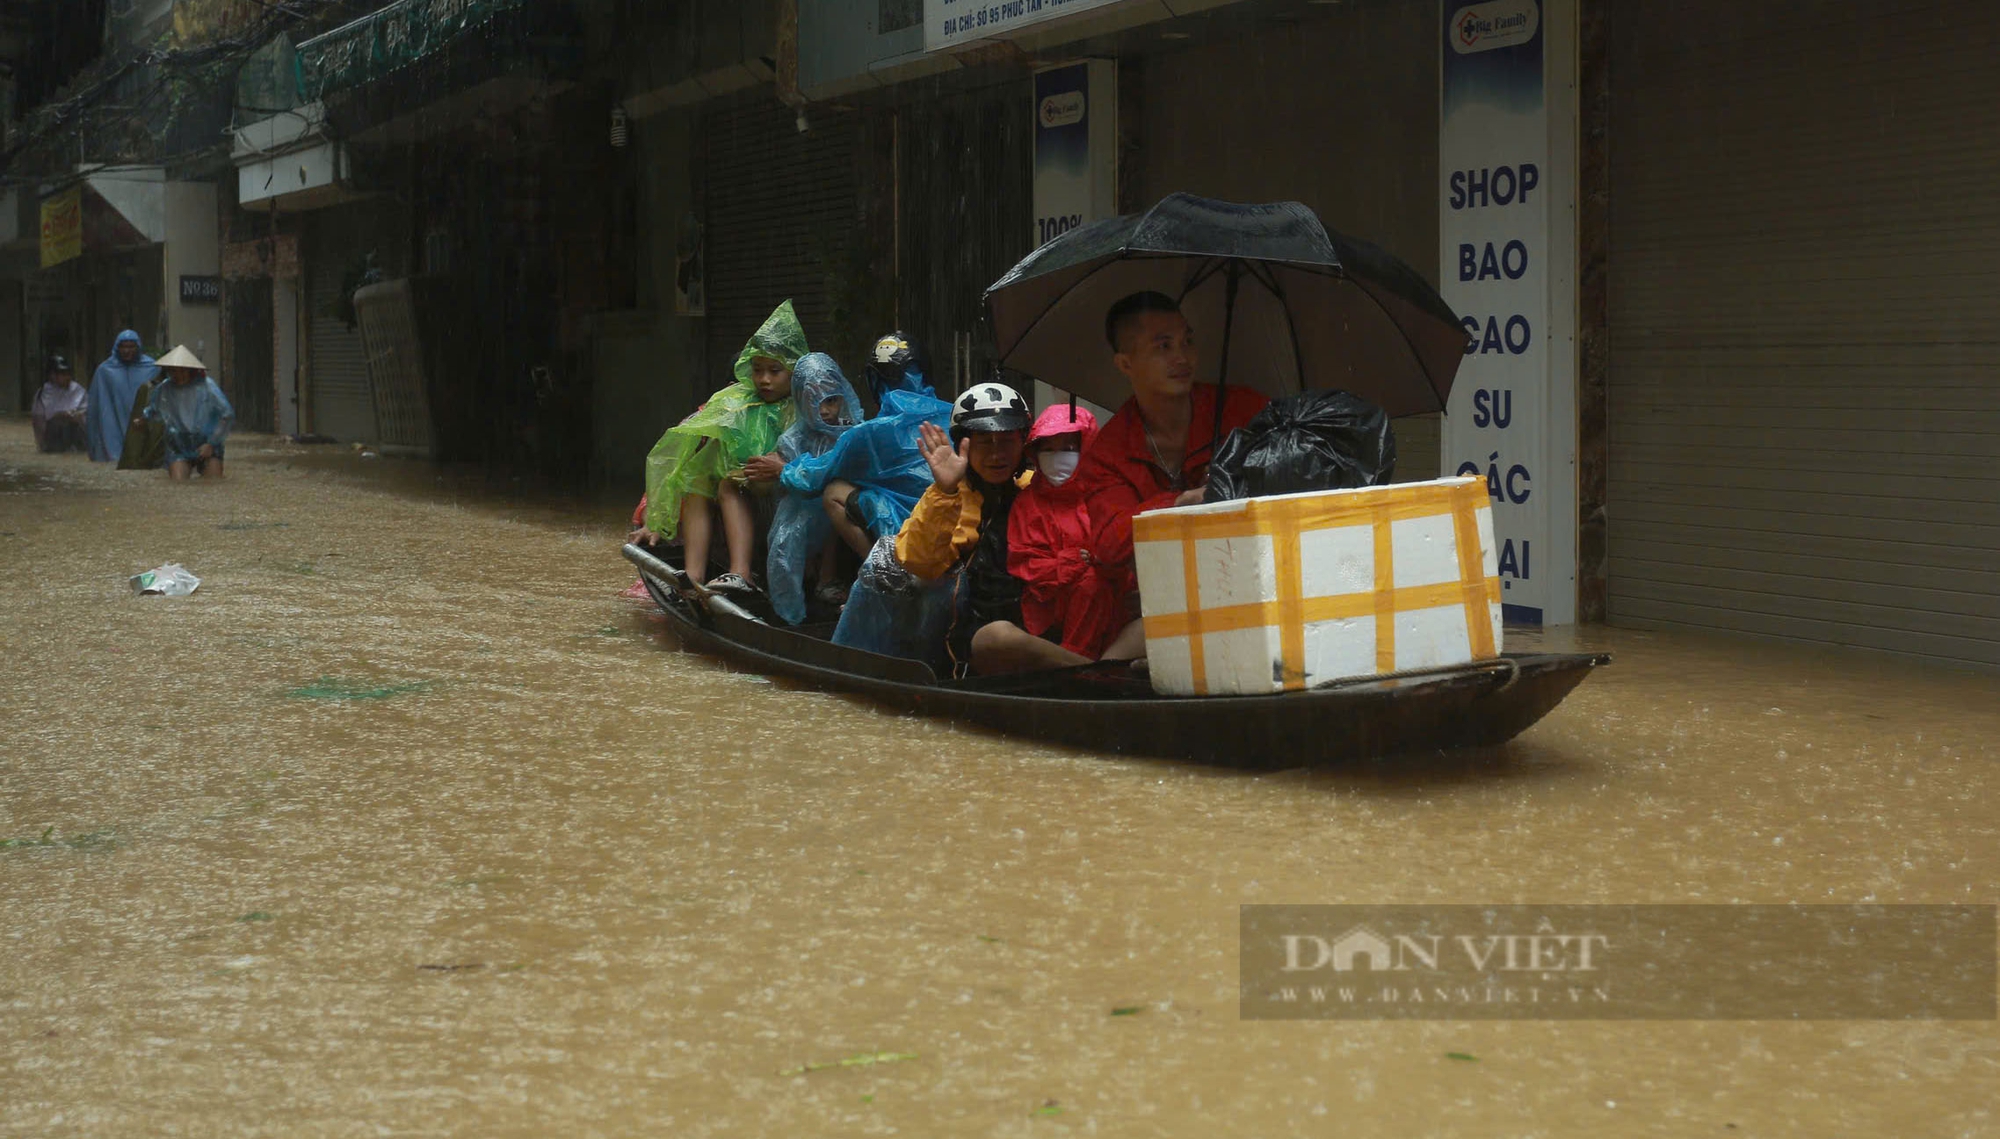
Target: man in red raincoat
[1153,454]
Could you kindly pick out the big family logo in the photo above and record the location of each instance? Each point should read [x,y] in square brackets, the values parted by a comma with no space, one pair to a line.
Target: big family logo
[1483,27]
[1061,109]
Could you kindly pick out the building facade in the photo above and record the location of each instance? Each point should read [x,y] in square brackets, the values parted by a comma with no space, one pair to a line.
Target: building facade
[1758,382]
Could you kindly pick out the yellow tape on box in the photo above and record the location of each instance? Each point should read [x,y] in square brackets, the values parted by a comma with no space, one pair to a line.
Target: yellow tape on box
[1273,594]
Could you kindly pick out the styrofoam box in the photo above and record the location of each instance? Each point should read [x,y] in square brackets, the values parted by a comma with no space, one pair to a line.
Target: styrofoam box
[1266,595]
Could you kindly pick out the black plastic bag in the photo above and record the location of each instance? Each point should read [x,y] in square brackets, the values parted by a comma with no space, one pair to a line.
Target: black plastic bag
[1320,440]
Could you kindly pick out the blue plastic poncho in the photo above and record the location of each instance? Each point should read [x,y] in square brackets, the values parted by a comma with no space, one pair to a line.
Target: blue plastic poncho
[801,526]
[880,457]
[894,612]
[908,378]
[193,414]
[112,388]
[815,380]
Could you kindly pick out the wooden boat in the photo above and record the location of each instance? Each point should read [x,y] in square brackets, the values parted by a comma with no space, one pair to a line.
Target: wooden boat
[1109,707]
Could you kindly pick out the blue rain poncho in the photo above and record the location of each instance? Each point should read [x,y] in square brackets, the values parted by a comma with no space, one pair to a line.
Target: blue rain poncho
[801,526]
[112,388]
[895,613]
[816,379]
[733,427]
[880,457]
[193,414]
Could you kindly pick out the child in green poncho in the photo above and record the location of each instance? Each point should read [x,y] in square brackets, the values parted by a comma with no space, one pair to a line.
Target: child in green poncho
[704,464]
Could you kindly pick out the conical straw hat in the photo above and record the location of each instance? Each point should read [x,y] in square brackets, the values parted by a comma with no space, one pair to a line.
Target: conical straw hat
[180,357]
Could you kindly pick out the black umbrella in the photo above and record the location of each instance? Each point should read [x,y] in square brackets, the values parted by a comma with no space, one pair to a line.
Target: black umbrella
[1278,304]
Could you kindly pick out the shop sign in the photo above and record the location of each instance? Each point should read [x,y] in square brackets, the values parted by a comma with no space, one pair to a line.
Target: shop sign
[1511,419]
[953,23]
[1076,157]
[389,39]
[1483,27]
[62,226]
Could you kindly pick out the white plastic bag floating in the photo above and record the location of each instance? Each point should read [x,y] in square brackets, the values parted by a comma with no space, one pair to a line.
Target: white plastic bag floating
[170,580]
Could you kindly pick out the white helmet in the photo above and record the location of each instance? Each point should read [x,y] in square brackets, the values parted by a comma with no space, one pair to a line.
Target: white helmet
[988,407]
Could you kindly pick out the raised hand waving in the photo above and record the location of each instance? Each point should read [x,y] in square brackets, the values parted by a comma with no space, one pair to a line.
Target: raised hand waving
[948,463]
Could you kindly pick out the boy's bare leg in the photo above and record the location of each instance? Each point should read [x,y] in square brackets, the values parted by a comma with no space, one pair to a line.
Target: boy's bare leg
[739,527]
[697,526]
[1002,646]
[835,500]
[180,470]
[829,562]
[213,470]
[1129,644]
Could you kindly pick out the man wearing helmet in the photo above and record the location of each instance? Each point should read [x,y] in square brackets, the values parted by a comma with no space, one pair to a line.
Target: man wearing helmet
[955,539]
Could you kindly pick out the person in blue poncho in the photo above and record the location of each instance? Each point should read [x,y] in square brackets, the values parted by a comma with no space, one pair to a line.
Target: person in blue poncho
[195,414]
[871,477]
[112,388]
[825,408]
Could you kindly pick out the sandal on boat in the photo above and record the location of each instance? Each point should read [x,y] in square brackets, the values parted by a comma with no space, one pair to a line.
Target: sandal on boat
[833,596]
[730,583]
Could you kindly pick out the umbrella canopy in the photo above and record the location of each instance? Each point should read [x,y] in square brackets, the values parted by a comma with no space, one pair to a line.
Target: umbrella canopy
[1276,302]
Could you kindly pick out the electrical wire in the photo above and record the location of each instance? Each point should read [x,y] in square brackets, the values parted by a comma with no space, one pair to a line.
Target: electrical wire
[55,120]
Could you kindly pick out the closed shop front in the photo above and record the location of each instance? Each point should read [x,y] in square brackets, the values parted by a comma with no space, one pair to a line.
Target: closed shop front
[338,242]
[781,212]
[1336,110]
[1804,436]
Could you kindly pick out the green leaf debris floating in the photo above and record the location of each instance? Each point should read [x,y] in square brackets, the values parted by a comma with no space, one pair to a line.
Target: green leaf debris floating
[1128,1010]
[1460,1056]
[334,688]
[92,840]
[860,1060]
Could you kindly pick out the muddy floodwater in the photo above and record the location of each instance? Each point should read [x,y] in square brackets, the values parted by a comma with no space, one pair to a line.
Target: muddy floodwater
[406,823]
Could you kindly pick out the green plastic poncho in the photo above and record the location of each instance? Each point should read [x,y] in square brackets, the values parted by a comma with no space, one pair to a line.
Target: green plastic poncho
[733,427]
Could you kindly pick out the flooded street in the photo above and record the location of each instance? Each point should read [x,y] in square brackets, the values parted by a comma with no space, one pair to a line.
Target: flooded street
[406,823]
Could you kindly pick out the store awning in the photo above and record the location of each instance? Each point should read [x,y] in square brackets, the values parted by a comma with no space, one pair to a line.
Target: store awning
[121,208]
[390,39]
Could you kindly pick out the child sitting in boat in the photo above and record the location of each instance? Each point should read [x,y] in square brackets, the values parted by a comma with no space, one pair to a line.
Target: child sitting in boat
[726,450]
[871,478]
[824,407]
[922,593]
[1066,606]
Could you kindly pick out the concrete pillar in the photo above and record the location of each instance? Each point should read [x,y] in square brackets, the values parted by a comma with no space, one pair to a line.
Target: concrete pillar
[193,249]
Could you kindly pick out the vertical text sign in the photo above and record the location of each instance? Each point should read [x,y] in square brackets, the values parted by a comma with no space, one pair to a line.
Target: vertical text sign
[1076,157]
[1493,236]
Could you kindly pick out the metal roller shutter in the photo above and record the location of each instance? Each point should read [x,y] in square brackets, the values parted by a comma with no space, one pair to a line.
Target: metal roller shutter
[343,405]
[781,209]
[1805,251]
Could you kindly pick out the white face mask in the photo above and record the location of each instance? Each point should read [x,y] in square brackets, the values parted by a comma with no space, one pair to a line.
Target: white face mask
[1057,466]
